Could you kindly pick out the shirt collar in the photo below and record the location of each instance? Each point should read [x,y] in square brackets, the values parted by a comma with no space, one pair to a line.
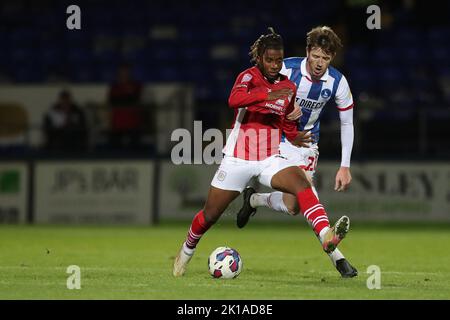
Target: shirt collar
[306,73]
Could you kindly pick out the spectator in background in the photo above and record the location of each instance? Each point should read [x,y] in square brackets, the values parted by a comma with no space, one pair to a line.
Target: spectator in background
[65,126]
[124,98]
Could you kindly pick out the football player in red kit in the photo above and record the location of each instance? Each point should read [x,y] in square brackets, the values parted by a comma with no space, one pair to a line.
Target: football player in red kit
[261,98]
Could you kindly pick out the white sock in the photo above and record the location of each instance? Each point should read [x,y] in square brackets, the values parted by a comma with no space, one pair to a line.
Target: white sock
[336,254]
[272,200]
[259,200]
[188,250]
[322,233]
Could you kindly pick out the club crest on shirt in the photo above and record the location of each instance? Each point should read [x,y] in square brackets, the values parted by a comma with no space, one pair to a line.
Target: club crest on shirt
[246,78]
[326,93]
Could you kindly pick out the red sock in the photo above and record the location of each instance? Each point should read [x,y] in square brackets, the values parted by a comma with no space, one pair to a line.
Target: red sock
[313,211]
[198,227]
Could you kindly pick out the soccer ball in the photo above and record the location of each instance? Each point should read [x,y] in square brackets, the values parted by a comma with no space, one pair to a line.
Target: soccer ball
[225,262]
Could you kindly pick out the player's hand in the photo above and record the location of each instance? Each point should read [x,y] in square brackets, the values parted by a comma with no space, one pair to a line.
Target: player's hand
[303,139]
[343,179]
[279,94]
[296,113]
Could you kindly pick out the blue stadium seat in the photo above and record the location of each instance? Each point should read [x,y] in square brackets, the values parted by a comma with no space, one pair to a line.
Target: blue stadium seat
[356,55]
[390,78]
[84,73]
[29,73]
[194,53]
[197,72]
[112,57]
[439,54]
[51,55]
[409,36]
[411,55]
[23,37]
[105,73]
[164,51]
[438,36]
[169,73]
[79,56]
[384,56]
[361,78]
[22,54]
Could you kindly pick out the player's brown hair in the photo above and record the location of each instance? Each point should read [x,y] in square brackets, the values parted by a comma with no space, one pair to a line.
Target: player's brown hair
[323,37]
[272,40]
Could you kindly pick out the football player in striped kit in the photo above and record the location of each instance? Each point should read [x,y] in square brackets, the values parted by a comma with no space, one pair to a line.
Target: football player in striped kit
[317,84]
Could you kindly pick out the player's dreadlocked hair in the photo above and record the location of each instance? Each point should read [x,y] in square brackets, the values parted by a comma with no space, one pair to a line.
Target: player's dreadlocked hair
[323,37]
[268,41]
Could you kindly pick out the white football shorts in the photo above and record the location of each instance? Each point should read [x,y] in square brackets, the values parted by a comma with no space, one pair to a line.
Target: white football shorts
[235,173]
[305,158]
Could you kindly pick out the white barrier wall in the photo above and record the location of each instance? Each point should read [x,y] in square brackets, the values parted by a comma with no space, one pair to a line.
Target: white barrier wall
[13,192]
[379,191]
[122,192]
[93,192]
[390,191]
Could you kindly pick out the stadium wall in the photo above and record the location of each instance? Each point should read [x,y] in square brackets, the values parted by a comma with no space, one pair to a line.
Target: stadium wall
[14,186]
[379,191]
[126,192]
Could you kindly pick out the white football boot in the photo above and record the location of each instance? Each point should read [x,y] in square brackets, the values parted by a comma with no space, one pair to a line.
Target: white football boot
[334,235]
[181,261]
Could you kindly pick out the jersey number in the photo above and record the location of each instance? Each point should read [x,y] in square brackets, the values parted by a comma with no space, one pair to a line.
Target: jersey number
[312,164]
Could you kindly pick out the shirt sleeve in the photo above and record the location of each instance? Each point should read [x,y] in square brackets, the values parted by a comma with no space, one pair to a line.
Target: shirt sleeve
[244,93]
[347,136]
[343,97]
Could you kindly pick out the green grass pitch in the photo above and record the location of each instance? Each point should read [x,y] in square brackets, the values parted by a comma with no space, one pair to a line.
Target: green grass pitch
[281,261]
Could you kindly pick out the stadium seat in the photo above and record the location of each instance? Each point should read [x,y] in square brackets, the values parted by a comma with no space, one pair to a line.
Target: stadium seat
[79,56]
[383,56]
[51,55]
[438,36]
[358,55]
[411,55]
[84,73]
[361,79]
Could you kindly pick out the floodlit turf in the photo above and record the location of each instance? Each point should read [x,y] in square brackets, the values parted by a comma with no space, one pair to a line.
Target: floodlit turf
[280,262]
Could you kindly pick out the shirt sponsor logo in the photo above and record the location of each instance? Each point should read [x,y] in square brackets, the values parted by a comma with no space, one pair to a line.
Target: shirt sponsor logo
[311,105]
[275,108]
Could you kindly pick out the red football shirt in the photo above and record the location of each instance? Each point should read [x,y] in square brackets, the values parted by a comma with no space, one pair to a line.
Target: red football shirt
[258,124]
